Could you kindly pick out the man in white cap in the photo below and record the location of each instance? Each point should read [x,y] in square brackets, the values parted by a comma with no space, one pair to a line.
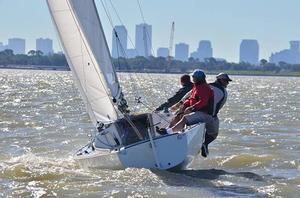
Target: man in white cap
[220,97]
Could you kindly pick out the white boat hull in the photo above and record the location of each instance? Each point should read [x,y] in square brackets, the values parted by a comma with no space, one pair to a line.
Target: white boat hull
[169,151]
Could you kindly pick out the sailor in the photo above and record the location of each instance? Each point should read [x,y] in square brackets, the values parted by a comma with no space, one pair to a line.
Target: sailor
[220,97]
[198,107]
[186,84]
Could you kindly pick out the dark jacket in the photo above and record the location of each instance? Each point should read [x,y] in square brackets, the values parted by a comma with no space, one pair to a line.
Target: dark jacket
[177,97]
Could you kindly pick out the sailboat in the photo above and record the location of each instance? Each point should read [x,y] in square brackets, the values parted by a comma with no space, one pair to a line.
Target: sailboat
[122,139]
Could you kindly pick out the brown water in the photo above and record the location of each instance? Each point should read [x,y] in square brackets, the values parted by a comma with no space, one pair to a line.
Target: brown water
[43,122]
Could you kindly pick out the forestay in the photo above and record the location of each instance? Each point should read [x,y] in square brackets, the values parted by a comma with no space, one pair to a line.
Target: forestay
[85,46]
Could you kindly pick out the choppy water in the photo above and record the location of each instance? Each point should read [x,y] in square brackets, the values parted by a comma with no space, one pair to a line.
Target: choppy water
[43,122]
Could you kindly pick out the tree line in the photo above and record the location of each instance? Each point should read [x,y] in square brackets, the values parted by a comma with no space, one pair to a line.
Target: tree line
[151,64]
[161,64]
[7,57]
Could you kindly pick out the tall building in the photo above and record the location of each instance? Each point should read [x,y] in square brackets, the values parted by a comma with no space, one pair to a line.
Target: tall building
[291,55]
[17,45]
[294,46]
[119,41]
[182,51]
[162,52]
[44,45]
[143,39]
[131,53]
[204,51]
[249,51]
[1,46]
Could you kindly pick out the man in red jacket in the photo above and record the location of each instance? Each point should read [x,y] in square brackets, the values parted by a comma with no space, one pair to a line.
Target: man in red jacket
[198,107]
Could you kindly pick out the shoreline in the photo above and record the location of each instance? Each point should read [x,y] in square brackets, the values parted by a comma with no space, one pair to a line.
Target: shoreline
[229,72]
[35,67]
[209,72]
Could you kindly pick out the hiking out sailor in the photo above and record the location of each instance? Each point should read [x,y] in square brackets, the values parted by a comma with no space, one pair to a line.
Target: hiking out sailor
[198,107]
[186,84]
[220,97]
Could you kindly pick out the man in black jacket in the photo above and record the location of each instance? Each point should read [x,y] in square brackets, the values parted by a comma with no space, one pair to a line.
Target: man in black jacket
[186,84]
[220,97]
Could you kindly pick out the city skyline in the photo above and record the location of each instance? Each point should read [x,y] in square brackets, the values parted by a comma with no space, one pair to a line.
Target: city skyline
[248,52]
[18,45]
[225,24]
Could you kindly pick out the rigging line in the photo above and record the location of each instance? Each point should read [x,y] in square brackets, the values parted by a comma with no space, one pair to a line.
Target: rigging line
[112,25]
[143,18]
[82,37]
[107,13]
[120,20]
[141,12]
[123,51]
[147,36]
[124,113]
[118,59]
[105,43]
[135,129]
[136,90]
[151,110]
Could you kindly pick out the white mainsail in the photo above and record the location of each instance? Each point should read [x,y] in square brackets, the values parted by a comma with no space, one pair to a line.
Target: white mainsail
[85,46]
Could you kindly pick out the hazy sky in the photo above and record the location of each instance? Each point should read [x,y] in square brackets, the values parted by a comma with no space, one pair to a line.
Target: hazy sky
[224,22]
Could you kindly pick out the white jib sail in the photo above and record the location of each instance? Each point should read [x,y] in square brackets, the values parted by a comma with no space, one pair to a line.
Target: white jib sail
[88,56]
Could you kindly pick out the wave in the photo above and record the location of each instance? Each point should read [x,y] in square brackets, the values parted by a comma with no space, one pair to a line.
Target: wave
[242,160]
[30,167]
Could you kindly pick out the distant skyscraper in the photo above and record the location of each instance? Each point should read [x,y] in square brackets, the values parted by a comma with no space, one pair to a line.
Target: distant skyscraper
[182,51]
[17,45]
[163,52]
[204,51]
[131,53]
[194,55]
[294,46]
[44,45]
[291,55]
[1,46]
[119,46]
[249,51]
[143,39]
